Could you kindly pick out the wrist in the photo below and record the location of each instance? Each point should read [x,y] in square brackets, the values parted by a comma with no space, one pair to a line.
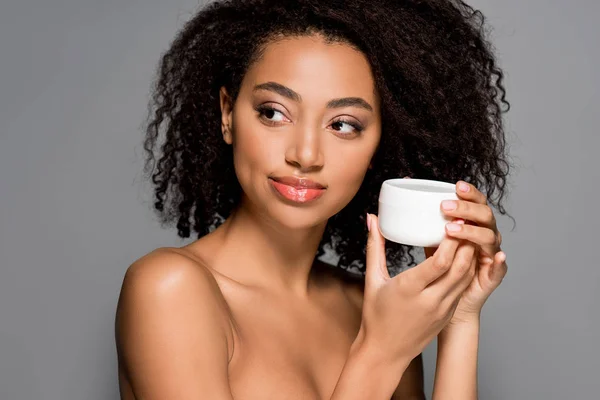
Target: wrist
[465,318]
[365,362]
[463,325]
[372,354]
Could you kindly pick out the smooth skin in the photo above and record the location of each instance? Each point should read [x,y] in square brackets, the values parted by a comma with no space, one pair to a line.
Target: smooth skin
[246,312]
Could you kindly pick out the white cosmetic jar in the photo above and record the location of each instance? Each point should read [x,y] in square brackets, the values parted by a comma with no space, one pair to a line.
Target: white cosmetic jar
[409,211]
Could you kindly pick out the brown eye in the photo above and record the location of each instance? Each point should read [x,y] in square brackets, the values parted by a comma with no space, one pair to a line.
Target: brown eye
[270,114]
[346,128]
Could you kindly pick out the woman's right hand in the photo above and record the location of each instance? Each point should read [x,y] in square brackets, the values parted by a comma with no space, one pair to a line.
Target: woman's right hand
[403,314]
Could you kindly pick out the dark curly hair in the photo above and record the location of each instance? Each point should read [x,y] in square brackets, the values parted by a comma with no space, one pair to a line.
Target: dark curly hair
[440,87]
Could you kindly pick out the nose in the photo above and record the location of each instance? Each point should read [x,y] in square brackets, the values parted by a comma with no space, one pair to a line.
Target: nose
[304,151]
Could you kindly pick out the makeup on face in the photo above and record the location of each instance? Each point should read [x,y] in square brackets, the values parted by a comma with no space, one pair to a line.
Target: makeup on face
[273,112]
[308,123]
[345,126]
[297,190]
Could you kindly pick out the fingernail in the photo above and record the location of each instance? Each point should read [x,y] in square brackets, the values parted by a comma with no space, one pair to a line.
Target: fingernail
[463,187]
[453,227]
[368,222]
[448,205]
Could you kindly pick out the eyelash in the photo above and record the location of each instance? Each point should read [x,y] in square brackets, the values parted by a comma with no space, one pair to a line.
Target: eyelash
[262,109]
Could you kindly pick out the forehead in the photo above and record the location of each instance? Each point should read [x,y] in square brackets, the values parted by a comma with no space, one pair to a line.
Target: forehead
[315,69]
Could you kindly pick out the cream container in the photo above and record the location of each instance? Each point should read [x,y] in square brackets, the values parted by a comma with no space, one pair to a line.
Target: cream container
[410,213]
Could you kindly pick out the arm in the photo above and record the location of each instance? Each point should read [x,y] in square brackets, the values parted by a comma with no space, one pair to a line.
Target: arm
[456,369]
[411,385]
[172,330]
[365,376]
[456,366]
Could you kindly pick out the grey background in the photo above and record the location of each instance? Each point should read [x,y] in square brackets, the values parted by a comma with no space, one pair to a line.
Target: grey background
[74,76]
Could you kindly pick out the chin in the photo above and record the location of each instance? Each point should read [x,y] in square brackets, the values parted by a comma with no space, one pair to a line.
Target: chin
[296,218]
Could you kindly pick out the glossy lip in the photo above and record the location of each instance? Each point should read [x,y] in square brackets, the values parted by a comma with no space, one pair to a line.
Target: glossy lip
[295,190]
[298,183]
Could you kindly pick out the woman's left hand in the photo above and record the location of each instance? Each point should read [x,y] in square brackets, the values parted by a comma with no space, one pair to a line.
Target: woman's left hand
[474,220]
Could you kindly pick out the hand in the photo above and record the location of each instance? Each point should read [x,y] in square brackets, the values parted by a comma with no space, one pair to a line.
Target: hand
[401,315]
[475,221]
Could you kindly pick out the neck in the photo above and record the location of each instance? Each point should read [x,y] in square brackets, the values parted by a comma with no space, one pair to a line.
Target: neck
[258,252]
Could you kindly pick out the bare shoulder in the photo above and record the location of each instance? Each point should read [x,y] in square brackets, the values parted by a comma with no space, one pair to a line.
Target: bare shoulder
[167,277]
[167,265]
[172,326]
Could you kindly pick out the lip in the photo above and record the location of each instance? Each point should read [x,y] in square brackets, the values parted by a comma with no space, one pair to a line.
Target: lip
[298,183]
[296,190]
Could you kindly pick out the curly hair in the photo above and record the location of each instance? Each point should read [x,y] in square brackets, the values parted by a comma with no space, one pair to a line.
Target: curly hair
[441,91]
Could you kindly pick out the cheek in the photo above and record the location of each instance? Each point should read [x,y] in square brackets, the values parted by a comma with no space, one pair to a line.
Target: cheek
[348,169]
[254,154]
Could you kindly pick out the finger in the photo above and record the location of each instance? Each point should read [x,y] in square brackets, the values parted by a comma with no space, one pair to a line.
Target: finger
[467,191]
[376,268]
[437,265]
[481,214]
[499,268]
[430,251]
[462,284]
[486,270]
[459,271]
[484,237]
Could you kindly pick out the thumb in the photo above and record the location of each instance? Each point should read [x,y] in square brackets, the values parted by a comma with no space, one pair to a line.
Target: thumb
[376,269]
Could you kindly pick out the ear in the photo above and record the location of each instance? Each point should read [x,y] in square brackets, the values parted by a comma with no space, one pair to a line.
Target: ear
[226,115]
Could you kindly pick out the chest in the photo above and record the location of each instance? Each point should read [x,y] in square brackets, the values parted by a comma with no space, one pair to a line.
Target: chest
[284,351]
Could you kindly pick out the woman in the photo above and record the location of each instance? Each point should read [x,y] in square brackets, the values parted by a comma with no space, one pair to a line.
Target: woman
[280,122]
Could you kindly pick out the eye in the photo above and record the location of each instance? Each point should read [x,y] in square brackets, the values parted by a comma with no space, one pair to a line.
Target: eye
[346,127]
[270,114]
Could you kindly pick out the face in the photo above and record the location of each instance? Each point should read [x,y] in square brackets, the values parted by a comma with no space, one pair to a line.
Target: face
[304,128]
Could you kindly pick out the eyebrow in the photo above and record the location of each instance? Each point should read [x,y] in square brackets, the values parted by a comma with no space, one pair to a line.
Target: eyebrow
[334,103]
